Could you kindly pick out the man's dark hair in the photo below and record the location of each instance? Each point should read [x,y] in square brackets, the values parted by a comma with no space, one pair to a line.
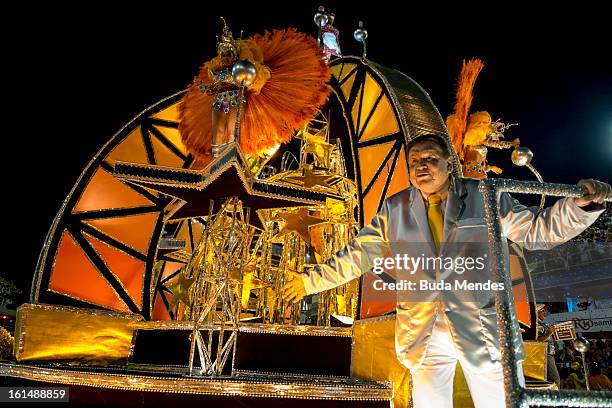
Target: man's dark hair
[438,140]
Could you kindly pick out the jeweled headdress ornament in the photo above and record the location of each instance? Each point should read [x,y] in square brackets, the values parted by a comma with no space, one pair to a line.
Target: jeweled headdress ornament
[227,44]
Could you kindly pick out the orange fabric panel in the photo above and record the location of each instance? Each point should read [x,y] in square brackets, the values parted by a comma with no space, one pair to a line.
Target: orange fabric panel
[170,268]
[131,149]
[522,312]
[197,230]
[383,121]
[348,85]
[341,71]
[374,302]
[373,198]
[370,159]
[173,137]
[170,113]
[163,155]
[521,297]
[336,70]
[355,109]
[159,310]
[400,179]
[134,231]
[129,271]
[73,274]
[104,191]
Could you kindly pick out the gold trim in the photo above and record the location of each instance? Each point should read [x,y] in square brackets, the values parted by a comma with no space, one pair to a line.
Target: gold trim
[296,330]
[253,387]
[250,328]
[151,207]
[272,375]
[376,319]
[92,312]
[360,220]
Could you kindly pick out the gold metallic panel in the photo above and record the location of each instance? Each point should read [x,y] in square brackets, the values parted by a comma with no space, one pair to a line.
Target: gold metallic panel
[373,357]
[301,389]
[134,230]
[534,365]
[129,271]
[104,191]
[72,335]
[131,148]
[75,276]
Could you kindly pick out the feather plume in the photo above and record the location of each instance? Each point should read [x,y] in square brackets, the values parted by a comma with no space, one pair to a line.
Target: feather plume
[457,122]
[290,88]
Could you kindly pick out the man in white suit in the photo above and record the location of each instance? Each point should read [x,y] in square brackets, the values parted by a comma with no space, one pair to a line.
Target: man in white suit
[437,216]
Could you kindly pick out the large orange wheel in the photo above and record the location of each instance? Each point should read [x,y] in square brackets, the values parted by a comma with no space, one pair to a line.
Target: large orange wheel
[101,247]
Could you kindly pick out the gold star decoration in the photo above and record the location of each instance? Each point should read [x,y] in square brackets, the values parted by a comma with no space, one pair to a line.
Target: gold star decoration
[180,290]
[316,145]
[299,221]
[311,179]
[249,283]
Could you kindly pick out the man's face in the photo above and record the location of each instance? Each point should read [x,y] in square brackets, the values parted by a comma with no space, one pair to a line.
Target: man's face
[429,169]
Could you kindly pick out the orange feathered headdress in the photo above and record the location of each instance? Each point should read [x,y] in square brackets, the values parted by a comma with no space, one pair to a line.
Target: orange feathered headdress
[457,123]
[290,88]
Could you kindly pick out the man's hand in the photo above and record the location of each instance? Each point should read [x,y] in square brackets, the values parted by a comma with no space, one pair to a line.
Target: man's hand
[294,289]
[597,192]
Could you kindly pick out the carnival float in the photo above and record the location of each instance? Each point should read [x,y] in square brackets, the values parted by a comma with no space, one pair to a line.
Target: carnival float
[160,278]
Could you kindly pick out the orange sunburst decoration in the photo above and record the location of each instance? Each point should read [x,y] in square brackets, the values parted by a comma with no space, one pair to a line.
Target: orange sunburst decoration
[287,92]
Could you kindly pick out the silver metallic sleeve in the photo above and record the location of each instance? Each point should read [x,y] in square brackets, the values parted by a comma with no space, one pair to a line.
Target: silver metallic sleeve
[352,260]
[536,229]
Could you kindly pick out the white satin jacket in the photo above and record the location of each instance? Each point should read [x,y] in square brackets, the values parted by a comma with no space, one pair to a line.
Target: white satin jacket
[403,221]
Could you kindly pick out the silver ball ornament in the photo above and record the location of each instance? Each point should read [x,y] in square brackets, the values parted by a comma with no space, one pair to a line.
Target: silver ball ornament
[521,156]
[244,71]
[581,345]
[361,33]
[320,18]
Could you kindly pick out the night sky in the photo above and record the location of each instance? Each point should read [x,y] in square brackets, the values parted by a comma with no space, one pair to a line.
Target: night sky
[77,75]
